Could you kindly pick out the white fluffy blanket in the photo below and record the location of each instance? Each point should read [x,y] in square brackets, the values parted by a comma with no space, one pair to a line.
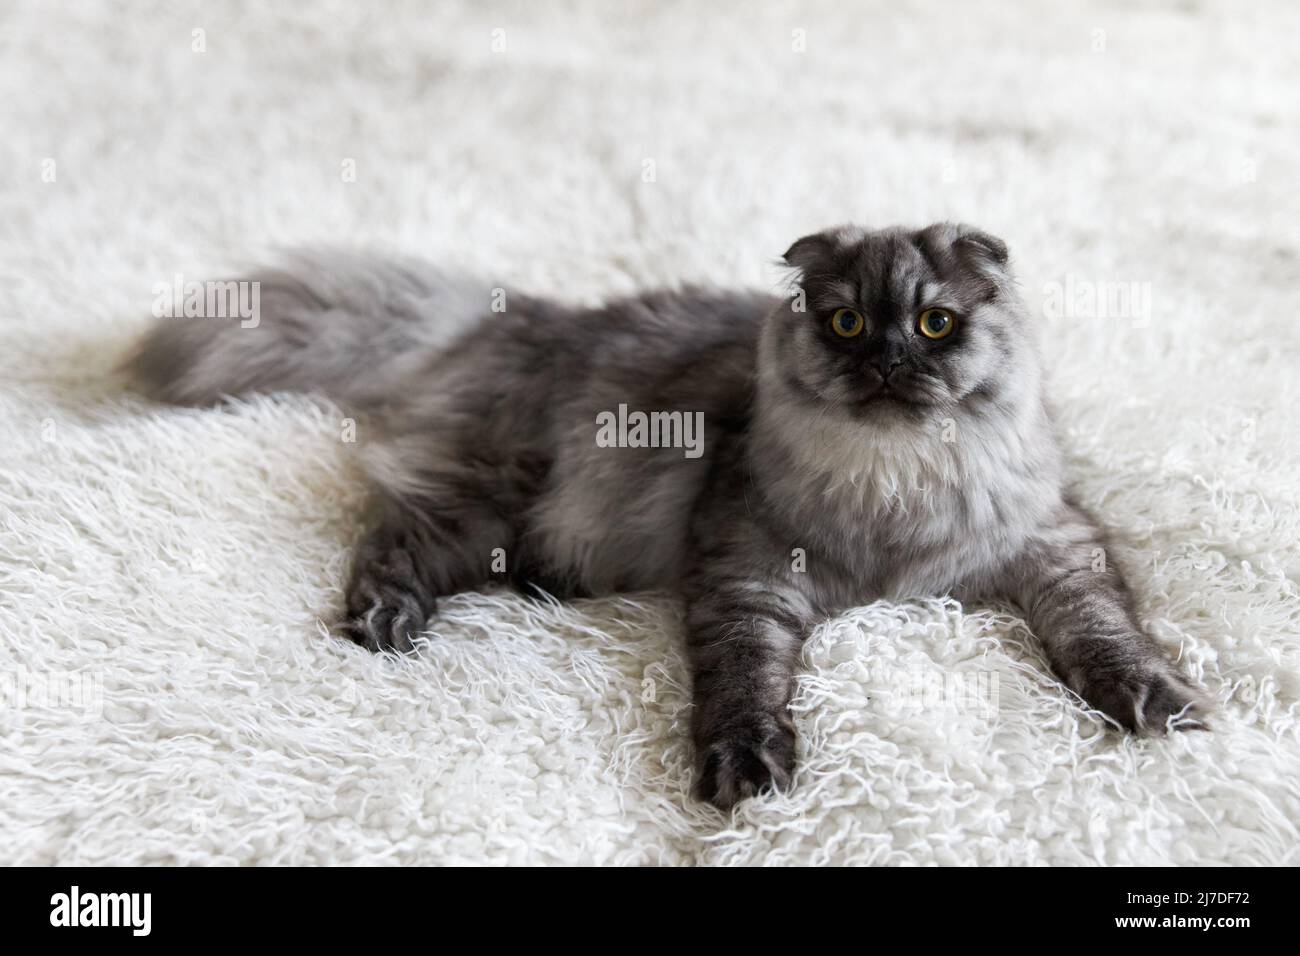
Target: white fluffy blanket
[167,693]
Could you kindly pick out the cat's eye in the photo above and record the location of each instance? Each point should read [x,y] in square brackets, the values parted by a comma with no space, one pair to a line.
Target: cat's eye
[936,323]
[847,323]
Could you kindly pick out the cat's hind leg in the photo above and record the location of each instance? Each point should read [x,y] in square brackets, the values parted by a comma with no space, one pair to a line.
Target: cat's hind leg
[416,550]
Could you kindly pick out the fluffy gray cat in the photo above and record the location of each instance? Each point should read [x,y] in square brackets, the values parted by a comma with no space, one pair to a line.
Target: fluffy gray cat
[880,433]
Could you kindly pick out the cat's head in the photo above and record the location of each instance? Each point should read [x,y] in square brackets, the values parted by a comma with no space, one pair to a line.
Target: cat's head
[882,323]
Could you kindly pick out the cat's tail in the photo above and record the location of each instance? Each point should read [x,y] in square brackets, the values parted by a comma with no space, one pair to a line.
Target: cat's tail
[348,326]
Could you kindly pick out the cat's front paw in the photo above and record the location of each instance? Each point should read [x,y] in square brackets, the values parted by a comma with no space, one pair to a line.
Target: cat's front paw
[745,756]
[1148,698]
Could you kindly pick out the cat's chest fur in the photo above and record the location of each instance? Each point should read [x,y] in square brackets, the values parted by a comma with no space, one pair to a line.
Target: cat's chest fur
[904,506]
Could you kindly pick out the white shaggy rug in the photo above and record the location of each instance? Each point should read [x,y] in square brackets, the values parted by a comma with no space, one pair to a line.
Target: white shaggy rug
[167,694]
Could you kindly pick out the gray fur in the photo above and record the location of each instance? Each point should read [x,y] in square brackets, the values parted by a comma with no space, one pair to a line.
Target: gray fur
[896,465]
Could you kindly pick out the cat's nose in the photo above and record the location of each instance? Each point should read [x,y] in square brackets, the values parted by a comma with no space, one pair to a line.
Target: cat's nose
[888,358]
[886,363]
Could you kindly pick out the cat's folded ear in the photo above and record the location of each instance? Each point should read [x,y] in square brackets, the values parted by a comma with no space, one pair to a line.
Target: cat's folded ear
[981,256]
[817,249]
[983,248]
[808,251]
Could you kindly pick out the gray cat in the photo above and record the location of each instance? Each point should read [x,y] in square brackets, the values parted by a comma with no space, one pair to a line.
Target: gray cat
[880,433]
